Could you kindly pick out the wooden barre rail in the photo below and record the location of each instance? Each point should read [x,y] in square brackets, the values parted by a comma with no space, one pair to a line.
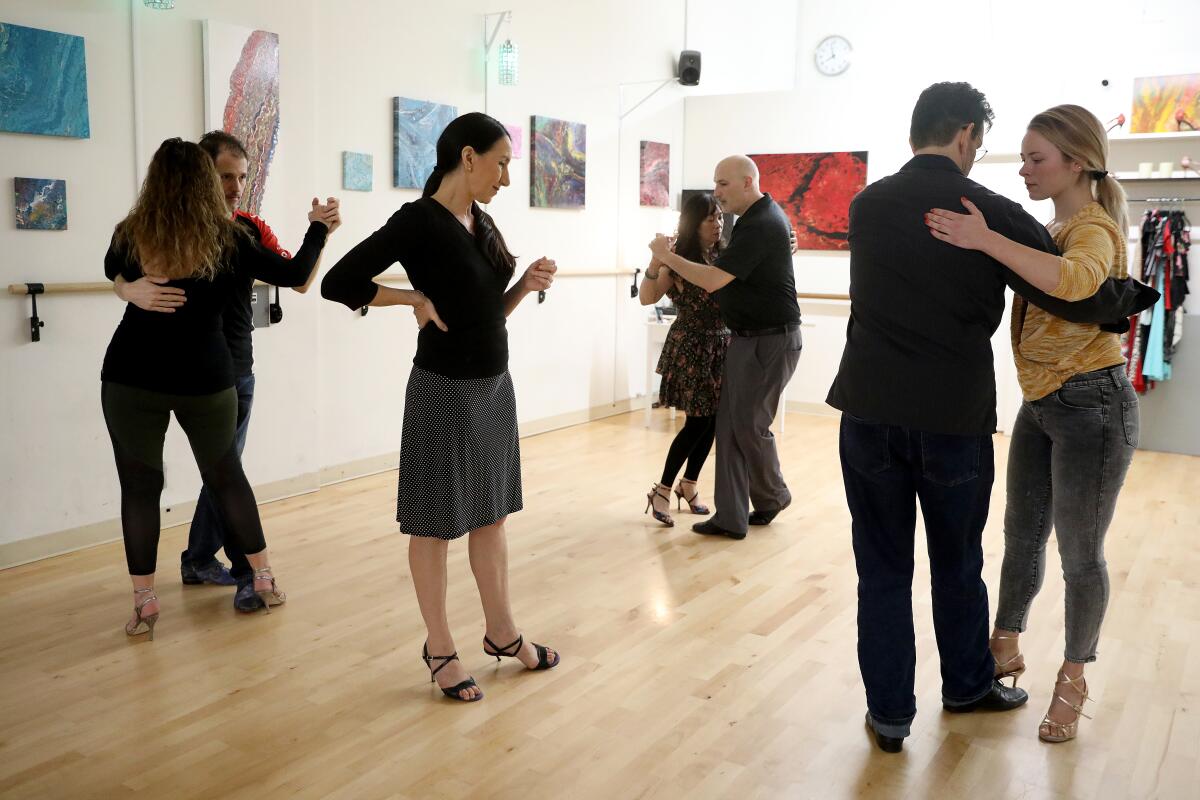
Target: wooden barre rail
[83,288]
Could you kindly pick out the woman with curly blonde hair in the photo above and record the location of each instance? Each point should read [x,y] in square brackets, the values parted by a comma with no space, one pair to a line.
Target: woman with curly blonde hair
[159,364]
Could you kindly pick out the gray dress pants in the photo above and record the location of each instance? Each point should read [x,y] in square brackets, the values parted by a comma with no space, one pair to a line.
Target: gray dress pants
[757,368]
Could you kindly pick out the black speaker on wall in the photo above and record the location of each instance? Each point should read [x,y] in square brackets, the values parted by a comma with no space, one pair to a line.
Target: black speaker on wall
[689,67]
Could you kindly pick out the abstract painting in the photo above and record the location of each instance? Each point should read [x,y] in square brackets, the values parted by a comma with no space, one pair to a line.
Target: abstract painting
[241,97]
[815,190]
[558,174]
[358,174]
[41,204]
[517,134]
[416,126]
[654,184]
[1166,104]
[43,82]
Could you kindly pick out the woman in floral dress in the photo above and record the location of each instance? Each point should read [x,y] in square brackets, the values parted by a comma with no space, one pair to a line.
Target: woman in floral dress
[693,357]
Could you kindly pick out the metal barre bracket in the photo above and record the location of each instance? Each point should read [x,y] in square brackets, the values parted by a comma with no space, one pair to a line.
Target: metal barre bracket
[35,324]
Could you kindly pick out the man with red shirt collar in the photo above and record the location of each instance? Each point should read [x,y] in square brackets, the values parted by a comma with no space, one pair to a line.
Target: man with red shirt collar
[198,564]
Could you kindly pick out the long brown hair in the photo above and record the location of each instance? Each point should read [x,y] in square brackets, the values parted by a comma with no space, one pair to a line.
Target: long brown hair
[695,211]
[179,222]
[1078,134]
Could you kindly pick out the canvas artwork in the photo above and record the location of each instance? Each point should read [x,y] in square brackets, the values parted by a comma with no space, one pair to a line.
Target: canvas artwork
[358,173]
[43,82]
[416,126]
[815,190]
[41,204]
[557,174]
[1159,102]
[241,97]
[517,134]
[654,185]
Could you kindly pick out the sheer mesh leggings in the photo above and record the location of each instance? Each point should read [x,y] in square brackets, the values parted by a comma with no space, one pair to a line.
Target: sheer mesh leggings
[137,422]
[692,444]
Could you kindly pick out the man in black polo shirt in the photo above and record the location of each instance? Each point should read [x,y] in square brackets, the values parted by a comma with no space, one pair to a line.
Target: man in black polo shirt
[754,285]
[918,394]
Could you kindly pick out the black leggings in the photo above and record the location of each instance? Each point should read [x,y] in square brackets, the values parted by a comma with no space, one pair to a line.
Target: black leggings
[693,444]
[137,422]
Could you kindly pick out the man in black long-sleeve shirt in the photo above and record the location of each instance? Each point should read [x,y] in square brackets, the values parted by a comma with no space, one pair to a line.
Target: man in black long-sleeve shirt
[917,390]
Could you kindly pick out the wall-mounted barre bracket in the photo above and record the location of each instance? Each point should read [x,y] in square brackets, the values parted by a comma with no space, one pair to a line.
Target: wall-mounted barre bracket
[35,324]
[633,290]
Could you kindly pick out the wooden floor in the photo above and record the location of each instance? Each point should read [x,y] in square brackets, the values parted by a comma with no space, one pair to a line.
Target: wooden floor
[691,667]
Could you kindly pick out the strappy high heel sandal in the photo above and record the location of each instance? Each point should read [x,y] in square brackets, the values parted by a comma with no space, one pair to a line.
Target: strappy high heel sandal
[542,651]
[693,506]
[272,596]
[453,691]
[140,624]
[1054,732]
[1012,668]
[662,516]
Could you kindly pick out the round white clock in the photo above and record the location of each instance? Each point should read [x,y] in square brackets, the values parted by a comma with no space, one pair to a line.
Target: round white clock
[832,55]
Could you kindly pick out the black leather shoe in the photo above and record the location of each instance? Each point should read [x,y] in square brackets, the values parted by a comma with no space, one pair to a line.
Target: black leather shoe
[765,517]
[246,599]
[710,528]
[888,744]
[998,698]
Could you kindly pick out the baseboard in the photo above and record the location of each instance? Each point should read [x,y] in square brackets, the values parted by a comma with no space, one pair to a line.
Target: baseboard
[35,548]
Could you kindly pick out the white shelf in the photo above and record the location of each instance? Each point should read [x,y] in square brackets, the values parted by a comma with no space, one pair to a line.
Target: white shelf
[1153,137]
[1134,177]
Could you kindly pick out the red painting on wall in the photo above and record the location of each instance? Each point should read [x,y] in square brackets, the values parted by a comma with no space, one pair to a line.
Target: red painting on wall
[815,190]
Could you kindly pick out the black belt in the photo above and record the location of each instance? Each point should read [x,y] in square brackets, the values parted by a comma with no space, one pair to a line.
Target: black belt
[778,329]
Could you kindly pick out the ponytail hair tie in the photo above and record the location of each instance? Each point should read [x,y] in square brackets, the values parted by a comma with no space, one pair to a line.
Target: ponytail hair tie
[1099,174]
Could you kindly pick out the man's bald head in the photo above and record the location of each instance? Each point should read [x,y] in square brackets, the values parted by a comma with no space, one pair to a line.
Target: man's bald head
[736,183]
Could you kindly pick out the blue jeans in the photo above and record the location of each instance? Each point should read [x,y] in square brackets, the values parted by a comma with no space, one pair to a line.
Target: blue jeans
[208,532]
[886,470]
[1069,455]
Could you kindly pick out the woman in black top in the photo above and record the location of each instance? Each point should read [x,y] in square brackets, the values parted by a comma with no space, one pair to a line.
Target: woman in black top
[460,464]
[693,356]
[157,363]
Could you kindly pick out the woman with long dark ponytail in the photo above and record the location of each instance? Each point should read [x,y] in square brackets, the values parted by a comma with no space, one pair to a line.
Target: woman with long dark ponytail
[460,462]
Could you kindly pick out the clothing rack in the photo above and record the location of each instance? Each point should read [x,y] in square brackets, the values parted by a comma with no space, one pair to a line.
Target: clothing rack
[1164,199]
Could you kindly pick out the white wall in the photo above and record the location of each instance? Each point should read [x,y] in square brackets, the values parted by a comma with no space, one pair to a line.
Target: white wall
[1025,55]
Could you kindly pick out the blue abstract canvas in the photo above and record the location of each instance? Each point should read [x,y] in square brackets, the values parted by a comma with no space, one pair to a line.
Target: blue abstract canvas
[416,126]
[43,82]
[41,204]
[357,171]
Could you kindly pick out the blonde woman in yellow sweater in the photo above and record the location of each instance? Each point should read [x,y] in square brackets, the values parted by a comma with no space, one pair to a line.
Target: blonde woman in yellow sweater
[1078,425]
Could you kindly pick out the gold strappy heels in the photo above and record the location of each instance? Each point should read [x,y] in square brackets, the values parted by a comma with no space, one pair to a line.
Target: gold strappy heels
[272,596]
[1050,731]
[139,624]
[1012,668]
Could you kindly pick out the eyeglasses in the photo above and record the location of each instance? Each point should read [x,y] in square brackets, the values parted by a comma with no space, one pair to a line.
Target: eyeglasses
[980,154]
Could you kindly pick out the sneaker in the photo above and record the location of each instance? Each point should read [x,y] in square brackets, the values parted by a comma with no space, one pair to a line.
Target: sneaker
[215,573]
[187,572]
[246,600]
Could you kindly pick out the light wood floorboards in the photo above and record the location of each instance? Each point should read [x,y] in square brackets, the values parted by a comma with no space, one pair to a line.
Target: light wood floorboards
[691,667]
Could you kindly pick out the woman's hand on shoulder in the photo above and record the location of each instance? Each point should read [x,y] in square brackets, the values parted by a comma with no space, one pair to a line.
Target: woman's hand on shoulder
[969,231]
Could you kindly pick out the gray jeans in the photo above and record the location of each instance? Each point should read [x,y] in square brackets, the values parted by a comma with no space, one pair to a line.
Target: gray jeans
[1068,458]
[757,368]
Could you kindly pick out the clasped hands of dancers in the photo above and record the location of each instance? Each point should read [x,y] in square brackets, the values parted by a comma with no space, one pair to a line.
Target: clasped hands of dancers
[185,265]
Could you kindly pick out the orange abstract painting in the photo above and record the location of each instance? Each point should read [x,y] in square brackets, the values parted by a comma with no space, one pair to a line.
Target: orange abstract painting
[1166,104]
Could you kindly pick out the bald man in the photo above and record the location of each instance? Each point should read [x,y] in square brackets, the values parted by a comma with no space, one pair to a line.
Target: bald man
[753,284]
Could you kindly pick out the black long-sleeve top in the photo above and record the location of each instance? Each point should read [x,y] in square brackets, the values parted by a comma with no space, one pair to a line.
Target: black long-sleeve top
[922,312]
[239,315]
[185,352]
[444,262]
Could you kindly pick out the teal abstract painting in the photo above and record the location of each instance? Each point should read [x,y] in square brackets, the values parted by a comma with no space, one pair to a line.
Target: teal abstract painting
[41,204]
[43,82]
[416,126]
[357,171]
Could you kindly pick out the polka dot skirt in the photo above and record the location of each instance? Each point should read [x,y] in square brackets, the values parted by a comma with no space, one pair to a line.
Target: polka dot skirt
[460,462]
